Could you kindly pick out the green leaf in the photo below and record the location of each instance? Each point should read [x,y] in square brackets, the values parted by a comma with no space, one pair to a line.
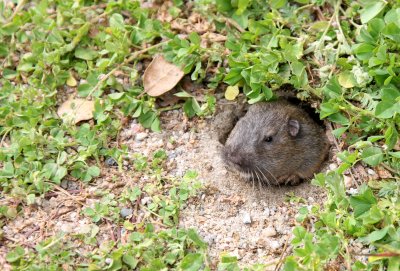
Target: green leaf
[332,89]
[392,31]
[300,76]
[195,38]
[339,131]
[328,109]
[3,49]
[362,202]
[373,216]
[192,234]
[392,16]
[183,94]
[242,6]
[364,51]
[372,156]
[387,109]
[371,11]
[117,21]
[224,5]
[277,4]
[375,236]
[130,261]
[192,262]
[147,119]
[389,93]
[85,53]
[7,171]
[391,137]
[15,254]
[9,74]
[116,95]
[395,154]
[290,264]
[156,125]
[93,171]
[84,89]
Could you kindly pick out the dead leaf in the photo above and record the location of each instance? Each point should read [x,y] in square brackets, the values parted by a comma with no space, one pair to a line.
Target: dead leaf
[71,81]
[161,76]
[231,92]
[383,173]
[76,110]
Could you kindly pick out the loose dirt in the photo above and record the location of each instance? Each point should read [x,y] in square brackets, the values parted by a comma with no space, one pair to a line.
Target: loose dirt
[233,216]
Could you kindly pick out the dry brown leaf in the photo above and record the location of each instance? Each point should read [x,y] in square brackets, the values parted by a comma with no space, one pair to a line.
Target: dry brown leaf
[161,76]
[76,110]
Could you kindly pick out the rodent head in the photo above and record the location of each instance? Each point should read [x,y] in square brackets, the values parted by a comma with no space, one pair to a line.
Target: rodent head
[272,142]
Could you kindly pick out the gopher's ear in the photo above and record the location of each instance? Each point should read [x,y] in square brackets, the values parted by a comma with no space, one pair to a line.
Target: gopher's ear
[294,127]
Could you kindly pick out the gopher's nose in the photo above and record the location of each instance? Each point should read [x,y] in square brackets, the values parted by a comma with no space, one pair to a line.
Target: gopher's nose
[235,158]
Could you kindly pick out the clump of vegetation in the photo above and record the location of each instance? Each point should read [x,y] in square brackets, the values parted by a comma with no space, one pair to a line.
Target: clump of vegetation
[341,54]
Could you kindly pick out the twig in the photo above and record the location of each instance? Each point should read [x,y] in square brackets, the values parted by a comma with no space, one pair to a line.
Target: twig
[329,26]
[280,262]
[234,24]
[136,209]
[4,137]
[303,7]
[66,193]
[390,169]
[53,194]
[111,231]
[18,242]
[348,265]
[29,233]
[17,9]
[94,7]
[169,108]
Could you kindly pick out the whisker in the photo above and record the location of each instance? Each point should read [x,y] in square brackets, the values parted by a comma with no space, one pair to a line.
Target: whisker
[253,185]
[265,177]
[259,180]
[254,177]
[272,175]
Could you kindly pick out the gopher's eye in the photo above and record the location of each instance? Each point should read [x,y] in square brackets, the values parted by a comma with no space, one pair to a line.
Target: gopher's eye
[268,139]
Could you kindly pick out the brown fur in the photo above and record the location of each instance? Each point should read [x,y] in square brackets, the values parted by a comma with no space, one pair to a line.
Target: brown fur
[296,149]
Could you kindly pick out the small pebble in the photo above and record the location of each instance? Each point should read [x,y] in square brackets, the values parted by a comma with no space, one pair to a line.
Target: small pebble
[268,232]
[141,136]
[64,184]
[266,211]
[352,191]
[332,166]
[210,238]
[272,212]
[371,172]
[126,212]
[108,260]
[170,146]
[246,218]
[145,200]
[274,245]
[348,181]
[110,161]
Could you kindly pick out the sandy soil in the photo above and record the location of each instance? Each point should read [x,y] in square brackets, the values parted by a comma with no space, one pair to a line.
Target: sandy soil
[233,216]
[237,217]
